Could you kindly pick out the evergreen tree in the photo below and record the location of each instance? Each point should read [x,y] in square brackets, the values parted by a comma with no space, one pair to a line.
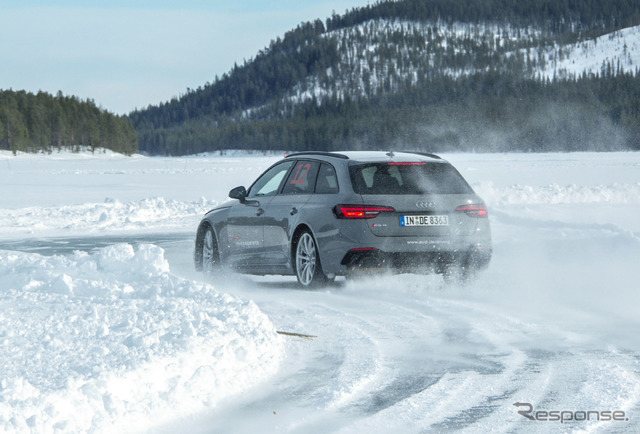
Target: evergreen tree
[43,122]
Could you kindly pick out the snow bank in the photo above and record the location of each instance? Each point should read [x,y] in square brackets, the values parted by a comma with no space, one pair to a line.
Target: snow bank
[112,341]
[66,154]
[553,194]
[166,215]
[156,214]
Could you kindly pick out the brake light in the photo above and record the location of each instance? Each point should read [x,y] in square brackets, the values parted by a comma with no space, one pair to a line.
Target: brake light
[407,164]
[360,211]
[477,210]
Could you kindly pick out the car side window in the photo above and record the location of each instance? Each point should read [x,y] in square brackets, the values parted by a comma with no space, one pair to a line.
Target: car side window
[269,183]
[302,179]
[327,182]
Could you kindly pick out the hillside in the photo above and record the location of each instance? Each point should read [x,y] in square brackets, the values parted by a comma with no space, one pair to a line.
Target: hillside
[496,75]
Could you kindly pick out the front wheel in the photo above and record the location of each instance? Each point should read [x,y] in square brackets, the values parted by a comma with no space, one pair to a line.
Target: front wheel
[307,261]
[210,253]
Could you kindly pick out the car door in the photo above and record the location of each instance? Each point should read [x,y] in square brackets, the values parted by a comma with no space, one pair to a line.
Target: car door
[245,227]
[283,211]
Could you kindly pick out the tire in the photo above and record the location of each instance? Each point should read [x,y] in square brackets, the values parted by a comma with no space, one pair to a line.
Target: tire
[467,270]
[307,261]
[210,253]
[456,275]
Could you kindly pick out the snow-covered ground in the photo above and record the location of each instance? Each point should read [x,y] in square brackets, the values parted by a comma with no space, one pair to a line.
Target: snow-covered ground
[105,327]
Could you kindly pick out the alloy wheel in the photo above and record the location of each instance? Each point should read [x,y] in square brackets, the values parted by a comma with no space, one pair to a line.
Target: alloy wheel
[306,259]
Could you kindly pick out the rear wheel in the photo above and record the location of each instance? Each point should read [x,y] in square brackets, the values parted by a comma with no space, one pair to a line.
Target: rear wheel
[307,262]
[468,269]
[460,274]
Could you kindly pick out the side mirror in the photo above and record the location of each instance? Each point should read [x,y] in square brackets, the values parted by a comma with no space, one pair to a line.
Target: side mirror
[238,193]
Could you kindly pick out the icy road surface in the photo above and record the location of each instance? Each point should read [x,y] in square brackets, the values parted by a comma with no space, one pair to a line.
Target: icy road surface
[553,325]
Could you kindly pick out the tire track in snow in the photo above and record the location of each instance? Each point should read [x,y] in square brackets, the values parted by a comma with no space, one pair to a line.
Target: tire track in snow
[417,361]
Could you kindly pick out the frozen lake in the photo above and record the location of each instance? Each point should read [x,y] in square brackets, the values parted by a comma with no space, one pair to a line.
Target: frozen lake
[104,324]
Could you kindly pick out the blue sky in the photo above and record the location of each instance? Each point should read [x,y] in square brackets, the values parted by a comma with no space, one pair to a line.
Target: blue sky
[128,54]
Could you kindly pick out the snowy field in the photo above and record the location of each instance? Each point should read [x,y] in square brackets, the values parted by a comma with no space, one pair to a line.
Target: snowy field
[105,327]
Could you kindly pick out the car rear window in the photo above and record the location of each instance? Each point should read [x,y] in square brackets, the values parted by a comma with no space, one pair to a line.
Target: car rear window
[407,178]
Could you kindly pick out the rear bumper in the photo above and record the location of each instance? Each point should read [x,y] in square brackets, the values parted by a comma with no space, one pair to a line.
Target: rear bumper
[349,244]
[420,262]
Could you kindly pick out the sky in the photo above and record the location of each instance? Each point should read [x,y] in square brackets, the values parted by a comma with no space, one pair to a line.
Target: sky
[130,54]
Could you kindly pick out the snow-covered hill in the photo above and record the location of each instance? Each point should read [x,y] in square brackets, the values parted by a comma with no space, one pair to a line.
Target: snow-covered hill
[443,76]
[382,56]
[612,54]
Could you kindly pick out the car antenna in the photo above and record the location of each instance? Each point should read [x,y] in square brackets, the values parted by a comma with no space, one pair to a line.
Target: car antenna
[390,154]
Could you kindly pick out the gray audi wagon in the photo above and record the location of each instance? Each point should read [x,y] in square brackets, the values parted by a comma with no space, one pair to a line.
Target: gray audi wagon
[318,215]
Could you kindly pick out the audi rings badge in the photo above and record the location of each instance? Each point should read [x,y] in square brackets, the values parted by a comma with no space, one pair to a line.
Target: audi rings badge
[425,204]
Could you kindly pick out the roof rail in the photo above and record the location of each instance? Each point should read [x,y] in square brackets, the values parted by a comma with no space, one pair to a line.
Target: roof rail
[322,153]
[424,154]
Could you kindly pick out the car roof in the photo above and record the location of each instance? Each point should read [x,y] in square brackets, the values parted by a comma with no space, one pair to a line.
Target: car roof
[372,156]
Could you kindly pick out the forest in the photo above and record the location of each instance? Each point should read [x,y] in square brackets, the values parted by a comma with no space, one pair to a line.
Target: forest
[487,113]
[559,16]
[43,123]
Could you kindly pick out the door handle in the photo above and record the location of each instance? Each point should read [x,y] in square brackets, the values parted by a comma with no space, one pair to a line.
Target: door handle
[293,211]
[259,212]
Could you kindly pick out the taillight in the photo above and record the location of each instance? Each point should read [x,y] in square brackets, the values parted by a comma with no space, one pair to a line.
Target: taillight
[360,211]
[477,210]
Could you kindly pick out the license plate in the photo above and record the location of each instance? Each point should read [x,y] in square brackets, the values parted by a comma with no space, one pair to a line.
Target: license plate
[424,220]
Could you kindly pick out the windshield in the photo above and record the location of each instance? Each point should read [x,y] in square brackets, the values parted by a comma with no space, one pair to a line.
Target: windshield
[407,178]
